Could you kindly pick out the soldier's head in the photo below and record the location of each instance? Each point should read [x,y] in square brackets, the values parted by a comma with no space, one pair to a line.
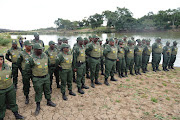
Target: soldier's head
[174,43]
[28,45]
[100,41]
[14,44]
[1,58]
[148,42]
[86,41]
[116,40]
[121,42]
[111,42]
[139,42]
[80,41]
[38,49]
[59,41]
[125,38]
[95,38]
[130,43]
[144,41]
[90,38]
[36,36]
[167,43]
[65,40]
[65,47]
[52,44]
[158,39]
[132,38]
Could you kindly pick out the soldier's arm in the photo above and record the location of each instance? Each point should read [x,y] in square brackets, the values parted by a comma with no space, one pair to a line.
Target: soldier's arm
[19,60]
[89,48]
[47,53]
[8,56]
[106,50]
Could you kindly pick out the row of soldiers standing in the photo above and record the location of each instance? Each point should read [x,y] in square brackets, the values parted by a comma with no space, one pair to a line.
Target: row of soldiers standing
[87,54]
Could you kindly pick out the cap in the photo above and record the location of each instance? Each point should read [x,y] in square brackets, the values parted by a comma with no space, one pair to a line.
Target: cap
[36,34]
[79,39]
[37,46]
[14,42]
[28,43]
[51,42]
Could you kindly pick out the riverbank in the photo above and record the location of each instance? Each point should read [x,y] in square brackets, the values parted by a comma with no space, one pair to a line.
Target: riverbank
[151,96]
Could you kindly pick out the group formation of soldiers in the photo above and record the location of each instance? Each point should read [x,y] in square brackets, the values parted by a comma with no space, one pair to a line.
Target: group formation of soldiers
[73,65]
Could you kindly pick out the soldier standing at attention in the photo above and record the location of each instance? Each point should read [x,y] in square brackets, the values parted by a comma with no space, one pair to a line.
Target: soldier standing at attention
[23,59]
[125,40]
[146,55]
[37,40]
[79,61]
[86,41]
[121,63]
[174,49]
[52,54]
[102,57]
[129,57]
[166,56]
[58,46]
[110,53]
[7,92]
[12,56]
[64,62]
[156,54]
[39,62]
[94,52]
[138,57]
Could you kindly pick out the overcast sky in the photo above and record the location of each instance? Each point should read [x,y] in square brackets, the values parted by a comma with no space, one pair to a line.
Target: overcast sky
[34,14]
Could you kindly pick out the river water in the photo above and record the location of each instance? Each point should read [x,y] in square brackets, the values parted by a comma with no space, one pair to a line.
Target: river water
[166,36]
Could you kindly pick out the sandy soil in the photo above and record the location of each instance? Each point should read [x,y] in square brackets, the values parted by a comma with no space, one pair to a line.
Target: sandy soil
[150,96]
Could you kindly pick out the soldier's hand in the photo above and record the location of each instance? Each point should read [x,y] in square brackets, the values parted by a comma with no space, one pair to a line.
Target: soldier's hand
[75,70]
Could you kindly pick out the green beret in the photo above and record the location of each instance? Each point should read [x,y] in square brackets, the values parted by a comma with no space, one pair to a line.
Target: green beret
[120,40]
[14,42]
[86,39]
[36,34]
[59,39]
[51,42]
[64,45]
[100,40]
[159,38]
[138,40]
[28,43]
[95,36]
[64,39]
[125,36]
[79,39]
[38,46]
[111,40]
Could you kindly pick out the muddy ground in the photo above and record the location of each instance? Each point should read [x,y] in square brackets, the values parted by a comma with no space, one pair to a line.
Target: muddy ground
[151,96]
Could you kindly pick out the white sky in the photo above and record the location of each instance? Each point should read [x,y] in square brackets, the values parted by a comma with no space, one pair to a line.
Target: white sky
[34,14]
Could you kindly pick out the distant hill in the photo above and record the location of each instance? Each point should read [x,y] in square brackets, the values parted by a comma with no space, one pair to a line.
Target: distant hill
[8,30]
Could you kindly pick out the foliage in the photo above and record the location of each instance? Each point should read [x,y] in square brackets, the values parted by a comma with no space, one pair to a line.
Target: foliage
[5,39]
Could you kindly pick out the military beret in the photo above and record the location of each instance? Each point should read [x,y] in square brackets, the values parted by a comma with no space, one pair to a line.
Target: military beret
[111,40]
[38,46]
[14,42]
[79,39]
[36,34]
[51,42]
[28,43]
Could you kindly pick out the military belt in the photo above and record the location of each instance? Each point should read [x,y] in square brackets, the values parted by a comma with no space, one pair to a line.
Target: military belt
[95,58]
[41,76]
[111,59]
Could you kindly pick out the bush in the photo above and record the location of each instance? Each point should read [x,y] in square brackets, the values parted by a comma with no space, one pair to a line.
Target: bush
[5,39]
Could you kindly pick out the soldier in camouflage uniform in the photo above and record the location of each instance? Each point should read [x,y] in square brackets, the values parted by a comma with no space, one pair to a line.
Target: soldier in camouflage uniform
[37,40]
[102,57]
[86,42]
[174,49]
[166,56]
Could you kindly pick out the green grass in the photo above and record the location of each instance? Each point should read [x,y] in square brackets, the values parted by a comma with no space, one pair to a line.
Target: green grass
[164,84]
[154,100]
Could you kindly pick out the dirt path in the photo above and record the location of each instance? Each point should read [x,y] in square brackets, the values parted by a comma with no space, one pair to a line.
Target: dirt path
[150,96]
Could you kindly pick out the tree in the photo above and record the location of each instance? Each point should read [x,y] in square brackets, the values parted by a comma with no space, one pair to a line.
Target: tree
[95,20]
[110,17]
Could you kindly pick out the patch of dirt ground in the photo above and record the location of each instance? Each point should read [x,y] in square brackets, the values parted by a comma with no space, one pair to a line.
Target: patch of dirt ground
[151,96]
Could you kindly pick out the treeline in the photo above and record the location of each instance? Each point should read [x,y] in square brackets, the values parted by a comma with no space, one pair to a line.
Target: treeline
[122,20]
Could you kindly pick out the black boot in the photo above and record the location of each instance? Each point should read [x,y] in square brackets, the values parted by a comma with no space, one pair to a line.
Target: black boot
[71,93]
[18,116]
[37,108]
[87,76]
[102,73]
[139,72]
[97,82]
[131,72]
[80,91]
[122,74]
[169,67]
[154,69]
[106,82]
[157,69]
[92,84]
[172,67]
[74,80]
[64,97]
[119,75]
[84,86]
[50,103]
[164,69]
[136,72]
[27,99]
[146,70]
[113,79]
